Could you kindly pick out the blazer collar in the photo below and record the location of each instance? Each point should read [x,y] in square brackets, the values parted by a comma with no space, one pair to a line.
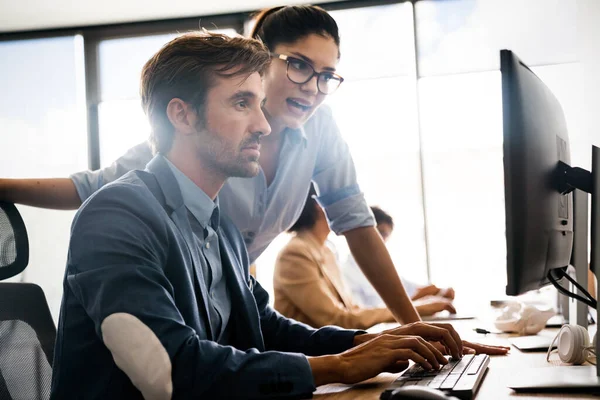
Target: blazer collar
[179,215]
[167,182]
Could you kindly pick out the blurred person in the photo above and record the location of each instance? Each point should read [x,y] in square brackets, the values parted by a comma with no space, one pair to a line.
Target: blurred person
[432,298]
[308,285]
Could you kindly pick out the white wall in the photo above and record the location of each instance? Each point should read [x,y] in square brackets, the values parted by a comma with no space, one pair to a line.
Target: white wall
[25,15]
[589,54]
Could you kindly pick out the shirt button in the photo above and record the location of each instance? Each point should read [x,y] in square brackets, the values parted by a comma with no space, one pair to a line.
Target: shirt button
[207,245]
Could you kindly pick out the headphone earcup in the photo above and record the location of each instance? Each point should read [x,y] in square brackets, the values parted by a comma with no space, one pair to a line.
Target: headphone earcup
[572,343]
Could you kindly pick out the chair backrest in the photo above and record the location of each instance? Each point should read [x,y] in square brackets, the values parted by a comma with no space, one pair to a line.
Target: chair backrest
[27,331]
[14,245]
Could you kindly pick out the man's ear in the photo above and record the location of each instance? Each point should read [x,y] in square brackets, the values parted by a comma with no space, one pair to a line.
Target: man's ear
[182,116]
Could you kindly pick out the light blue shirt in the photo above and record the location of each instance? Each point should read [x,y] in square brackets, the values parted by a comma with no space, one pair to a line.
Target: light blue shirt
[316,152]
[203,214]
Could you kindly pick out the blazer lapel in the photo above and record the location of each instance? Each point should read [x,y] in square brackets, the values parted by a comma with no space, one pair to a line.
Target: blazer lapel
[243,303]
[174,201]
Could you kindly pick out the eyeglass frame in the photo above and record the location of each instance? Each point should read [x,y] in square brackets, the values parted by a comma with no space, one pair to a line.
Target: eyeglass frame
[287,60]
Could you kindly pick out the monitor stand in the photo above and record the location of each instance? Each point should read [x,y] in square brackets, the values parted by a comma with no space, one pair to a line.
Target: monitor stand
[556,379]
[571,378]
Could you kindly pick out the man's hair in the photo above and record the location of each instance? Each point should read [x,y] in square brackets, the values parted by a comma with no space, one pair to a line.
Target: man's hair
[308,216]
[186,68]
[287,24]
[381,217]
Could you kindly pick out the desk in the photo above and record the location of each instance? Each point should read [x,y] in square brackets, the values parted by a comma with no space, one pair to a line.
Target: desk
[494,385]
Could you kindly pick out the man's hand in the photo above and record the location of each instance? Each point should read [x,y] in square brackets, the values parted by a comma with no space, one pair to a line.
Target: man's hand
[475,348]
[430,305]
[384,353]
[437,332]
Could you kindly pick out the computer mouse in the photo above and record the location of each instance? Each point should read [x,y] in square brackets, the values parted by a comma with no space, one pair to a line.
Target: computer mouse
[419,392]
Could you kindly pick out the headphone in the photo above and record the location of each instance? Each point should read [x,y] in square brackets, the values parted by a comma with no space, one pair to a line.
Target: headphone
[573,345]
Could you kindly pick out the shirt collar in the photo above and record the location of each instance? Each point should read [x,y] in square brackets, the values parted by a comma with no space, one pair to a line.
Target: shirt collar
[197,202]
[297,135]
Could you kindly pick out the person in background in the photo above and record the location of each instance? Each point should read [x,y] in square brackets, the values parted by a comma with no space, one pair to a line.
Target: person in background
[158,302]
[428,299]
[308,285]
[305,145]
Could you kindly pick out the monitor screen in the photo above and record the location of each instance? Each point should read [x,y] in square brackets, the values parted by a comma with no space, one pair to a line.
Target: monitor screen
[539,220]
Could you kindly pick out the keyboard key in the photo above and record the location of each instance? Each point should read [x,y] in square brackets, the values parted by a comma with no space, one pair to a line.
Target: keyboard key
[449,382]
[462,364]
[476,364]
[437,382]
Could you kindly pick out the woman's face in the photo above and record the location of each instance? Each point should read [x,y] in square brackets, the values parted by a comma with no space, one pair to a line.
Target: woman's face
[291,104]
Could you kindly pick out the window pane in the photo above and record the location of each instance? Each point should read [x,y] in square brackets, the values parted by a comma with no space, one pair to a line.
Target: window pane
[43,134]
[365,41]
[465,35]
[121,62]
[123,124]
[461,125]
[121,119]
[378,120]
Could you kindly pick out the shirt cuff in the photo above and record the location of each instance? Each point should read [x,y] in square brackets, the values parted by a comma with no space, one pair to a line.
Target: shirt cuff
[347,213]
[86,183]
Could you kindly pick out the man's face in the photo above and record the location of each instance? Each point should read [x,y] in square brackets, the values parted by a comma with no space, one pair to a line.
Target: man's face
[385,230]
[229,132]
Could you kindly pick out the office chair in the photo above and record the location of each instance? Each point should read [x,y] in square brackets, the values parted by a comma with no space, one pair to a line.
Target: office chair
[27,331]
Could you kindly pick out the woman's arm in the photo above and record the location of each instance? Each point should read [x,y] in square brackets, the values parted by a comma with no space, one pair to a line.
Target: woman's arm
[56,193]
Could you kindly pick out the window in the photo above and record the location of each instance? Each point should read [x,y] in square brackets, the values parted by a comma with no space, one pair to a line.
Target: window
[43,134]
[122,122]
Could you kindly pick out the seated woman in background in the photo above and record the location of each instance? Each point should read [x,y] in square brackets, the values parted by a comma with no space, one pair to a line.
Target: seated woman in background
[308,284]
[364,294]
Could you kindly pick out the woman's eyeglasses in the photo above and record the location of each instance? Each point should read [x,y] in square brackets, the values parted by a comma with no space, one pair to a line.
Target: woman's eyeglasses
[299,71]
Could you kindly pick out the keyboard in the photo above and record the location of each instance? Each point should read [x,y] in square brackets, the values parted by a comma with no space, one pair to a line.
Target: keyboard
[460,378]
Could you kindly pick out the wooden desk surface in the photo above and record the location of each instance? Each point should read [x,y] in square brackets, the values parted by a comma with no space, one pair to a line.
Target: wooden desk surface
[494,385]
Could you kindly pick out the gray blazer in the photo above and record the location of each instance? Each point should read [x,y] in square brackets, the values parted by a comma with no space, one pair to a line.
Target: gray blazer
[132,251]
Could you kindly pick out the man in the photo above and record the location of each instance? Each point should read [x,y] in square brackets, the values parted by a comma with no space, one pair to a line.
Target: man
[158,302]
[428,299]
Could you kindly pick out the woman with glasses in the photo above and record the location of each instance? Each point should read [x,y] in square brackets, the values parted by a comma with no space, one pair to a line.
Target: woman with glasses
[304,146]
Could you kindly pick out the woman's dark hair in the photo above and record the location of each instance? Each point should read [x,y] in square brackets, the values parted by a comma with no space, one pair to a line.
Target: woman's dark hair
[287,24]
[381,217]
[308,217]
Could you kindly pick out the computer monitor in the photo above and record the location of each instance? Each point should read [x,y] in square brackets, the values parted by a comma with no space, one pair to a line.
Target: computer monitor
[539,219]
[542,224]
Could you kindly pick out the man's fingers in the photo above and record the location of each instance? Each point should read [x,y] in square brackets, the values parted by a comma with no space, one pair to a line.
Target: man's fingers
[420,346]
[457,350]
[487,349]
[439,355]
[397,367]
[444,333]
[408,354]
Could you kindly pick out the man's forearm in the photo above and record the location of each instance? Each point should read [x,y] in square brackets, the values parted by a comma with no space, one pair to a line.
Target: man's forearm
[374,260]
[55,193]
[326,369]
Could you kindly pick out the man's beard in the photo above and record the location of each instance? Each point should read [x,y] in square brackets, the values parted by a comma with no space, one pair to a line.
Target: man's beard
[234,163]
